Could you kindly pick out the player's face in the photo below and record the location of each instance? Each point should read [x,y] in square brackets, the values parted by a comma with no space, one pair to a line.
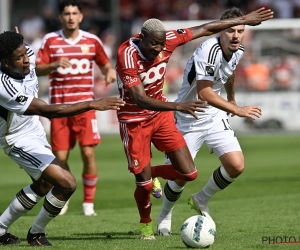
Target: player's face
[152,44]
[71,17]
[232,38]
[19,61]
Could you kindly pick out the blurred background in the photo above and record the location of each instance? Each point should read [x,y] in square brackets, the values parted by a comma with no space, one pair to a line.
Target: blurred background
[268,74]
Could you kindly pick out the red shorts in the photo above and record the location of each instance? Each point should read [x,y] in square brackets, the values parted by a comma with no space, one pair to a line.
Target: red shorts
[83,128]
[137,138]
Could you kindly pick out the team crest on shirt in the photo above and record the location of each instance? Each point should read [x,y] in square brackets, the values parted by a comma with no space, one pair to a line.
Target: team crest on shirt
[21,98]
[209,70]
[136,164]
[85,49]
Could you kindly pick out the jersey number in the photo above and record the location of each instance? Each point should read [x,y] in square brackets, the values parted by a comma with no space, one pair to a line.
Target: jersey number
[226,124]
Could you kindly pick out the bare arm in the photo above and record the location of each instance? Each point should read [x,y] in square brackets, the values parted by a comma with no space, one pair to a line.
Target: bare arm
[45,69]
[41,108]
[109,73]
[144,102]
[254,18]
[206,93]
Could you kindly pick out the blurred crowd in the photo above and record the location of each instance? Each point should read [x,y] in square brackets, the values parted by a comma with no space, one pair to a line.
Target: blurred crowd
[256,73]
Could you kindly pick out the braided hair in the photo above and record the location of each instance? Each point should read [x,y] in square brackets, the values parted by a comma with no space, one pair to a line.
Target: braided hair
[9,42]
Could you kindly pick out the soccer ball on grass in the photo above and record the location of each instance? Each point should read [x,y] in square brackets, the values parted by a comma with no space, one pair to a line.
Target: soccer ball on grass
[198,231]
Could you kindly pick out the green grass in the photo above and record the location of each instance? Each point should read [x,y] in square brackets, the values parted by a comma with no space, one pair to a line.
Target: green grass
[264,201]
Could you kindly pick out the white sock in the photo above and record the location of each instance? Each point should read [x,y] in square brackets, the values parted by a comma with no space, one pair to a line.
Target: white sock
[172,193]
[50,209]
[24,201]
[219,180]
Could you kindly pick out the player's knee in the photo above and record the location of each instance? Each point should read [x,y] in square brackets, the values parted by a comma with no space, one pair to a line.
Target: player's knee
[190,176]
[69,185]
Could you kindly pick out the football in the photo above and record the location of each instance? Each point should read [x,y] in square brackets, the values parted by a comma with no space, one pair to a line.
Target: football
[198,231]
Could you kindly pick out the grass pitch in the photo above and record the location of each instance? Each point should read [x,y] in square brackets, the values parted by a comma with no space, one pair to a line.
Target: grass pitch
[261,207]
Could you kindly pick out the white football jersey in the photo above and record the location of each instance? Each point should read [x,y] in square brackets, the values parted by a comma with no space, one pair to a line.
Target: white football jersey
[207,63]
[15,98]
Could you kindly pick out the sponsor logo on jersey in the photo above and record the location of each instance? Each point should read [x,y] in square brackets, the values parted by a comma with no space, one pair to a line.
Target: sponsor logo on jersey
[181,31]
[81,66]
[85,49]
[21,98]
[129,80]
[209,70]
[153,74]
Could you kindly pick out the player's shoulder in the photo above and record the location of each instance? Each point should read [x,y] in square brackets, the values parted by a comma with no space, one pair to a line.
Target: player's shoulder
[211,43]
[8,85]
[241,50]
[210,48]
[29,50]
[90,36]
[52,35]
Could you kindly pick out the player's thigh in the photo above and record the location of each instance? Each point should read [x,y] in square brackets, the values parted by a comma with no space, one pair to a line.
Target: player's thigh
[221,139]
[61,134]
[194,141]
[85,128]
[166,137]
[136,138]
[33,155]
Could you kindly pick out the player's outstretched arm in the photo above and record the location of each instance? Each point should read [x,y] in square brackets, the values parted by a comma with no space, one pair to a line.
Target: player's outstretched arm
[252,19]
[41,108]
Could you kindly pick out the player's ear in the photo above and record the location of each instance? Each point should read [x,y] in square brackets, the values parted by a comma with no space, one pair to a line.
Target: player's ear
[141,36]
[4,63]
[80,17]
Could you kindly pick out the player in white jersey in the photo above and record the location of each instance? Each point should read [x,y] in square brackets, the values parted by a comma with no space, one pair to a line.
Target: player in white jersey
[211,68]
[23,139]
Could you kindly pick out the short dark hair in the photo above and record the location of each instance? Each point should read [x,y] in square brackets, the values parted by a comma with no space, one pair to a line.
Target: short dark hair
[231,13]
[64,3]
[9,42]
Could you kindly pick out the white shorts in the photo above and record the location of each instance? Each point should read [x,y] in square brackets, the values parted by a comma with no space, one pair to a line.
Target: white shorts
[33,154]
[219,138]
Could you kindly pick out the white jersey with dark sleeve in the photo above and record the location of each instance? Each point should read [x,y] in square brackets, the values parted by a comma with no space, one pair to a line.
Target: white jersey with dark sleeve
[15,98]
[207,63]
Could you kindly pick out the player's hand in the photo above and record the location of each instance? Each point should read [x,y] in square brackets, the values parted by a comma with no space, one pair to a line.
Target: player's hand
[256,17]
[107,103]
[61,62]
[252,112]
[110,76]
[192,106]
[16,29]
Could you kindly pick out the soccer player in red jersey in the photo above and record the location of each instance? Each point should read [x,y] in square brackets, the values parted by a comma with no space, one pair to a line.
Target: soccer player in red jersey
[147,116]
[68,56]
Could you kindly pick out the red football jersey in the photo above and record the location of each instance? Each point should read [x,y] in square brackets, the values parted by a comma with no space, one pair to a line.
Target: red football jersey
[133,68]
[75,83]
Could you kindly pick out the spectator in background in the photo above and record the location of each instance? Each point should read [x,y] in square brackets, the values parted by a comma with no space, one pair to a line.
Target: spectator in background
[32,26]
[258,76]
[282,73]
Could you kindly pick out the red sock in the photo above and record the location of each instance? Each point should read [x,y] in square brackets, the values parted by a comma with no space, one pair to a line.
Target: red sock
[142,198]
[89,187]
[168,172]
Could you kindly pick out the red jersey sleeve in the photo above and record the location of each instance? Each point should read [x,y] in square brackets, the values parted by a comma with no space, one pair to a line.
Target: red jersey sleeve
[127,66]
[43,56]
[178,37]
[101,57]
